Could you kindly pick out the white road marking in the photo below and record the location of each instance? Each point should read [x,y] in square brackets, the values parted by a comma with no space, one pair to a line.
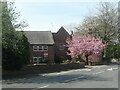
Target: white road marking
[110,69]
[37,88]
[44,86]
[73,79]
[88,70]
[99,72]
[64,72]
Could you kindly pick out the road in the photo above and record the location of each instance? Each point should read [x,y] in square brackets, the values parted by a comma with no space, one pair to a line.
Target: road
[101,76]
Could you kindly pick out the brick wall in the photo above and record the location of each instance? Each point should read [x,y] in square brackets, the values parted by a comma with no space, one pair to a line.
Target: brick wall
[50,52]
[45,68]
[60,38]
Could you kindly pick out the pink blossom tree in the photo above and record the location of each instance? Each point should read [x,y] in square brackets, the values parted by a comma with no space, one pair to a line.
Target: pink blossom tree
[84,45]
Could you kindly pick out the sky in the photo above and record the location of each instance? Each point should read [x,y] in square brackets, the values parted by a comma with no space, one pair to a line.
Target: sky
[50,15]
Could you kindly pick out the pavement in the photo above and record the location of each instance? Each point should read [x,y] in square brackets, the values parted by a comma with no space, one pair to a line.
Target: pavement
[100,76]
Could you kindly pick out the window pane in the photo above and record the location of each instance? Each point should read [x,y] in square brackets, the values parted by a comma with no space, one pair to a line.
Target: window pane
[35,47]
[40,47]
[40,59]
[45,47]
[35,58]
[35,61]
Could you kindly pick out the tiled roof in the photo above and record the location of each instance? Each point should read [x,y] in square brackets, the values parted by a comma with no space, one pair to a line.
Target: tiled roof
[39,37]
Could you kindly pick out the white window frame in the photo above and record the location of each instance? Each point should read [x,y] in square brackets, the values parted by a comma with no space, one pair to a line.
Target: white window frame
[34,48]
[38,59]
[45,49]
[38,48]
[41,47]
[35,61]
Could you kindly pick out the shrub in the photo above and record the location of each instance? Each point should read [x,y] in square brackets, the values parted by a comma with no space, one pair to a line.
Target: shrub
[111,51]
[71,61]
[45,60]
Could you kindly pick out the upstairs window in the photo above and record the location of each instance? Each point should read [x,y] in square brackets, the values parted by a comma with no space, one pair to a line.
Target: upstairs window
[40,48]
[45,47]
[61,47]
[35,48]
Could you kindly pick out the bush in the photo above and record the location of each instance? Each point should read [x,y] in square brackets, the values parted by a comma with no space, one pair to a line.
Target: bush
[112,51]
[59,59]
[12,62]
[45,60]
[71,61]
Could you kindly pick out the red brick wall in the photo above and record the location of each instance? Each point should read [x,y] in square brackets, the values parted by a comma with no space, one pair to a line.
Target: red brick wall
[45,68]
[60,38]
[50,52]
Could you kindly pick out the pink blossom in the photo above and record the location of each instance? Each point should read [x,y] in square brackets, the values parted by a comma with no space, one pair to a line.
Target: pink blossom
[84,45]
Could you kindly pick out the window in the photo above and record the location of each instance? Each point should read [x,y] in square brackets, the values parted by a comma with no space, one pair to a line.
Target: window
[39,59]
[35,47]
[35,60]
[40,48]
[45,47]
[61,47]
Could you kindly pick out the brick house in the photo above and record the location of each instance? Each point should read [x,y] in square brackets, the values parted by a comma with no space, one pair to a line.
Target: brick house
[46,46]
[60,44]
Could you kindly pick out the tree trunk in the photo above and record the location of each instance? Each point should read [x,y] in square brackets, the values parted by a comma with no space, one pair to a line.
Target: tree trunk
[86,59]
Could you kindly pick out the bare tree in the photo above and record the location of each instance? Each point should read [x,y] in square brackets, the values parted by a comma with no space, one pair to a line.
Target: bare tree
[119,21]
[104,24]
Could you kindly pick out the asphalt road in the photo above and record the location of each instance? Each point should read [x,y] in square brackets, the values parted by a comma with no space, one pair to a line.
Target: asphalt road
[102,76]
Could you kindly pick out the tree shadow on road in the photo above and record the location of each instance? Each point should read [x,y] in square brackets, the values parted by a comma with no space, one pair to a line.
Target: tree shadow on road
[55,79]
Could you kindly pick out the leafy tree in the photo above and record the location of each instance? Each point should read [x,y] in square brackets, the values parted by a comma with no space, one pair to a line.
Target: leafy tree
[15,46]
[85,45]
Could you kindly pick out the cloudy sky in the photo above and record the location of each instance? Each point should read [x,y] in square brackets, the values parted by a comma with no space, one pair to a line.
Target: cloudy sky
[44,15]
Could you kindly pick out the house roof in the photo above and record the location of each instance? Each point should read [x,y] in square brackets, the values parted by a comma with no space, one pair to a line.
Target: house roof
[39,37]
[62,30]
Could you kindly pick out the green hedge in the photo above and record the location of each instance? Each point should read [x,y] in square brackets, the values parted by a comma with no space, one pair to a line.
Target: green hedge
[112,51]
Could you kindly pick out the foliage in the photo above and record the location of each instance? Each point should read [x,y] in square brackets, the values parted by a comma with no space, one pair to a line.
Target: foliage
[15,46]
[112,51]
[45,60]
[71,61]
[59,59]
[104,24]
[85,45]
[14,16]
